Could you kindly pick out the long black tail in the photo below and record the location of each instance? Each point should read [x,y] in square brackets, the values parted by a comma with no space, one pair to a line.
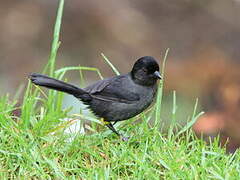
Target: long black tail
[43,80]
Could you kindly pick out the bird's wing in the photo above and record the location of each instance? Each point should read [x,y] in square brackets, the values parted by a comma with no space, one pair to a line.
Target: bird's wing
[98,86]
[115,89]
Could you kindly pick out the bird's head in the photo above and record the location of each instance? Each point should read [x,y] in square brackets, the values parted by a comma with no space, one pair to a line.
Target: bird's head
[145,71]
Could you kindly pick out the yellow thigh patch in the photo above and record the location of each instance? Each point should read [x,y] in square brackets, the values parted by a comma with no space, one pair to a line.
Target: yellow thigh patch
[104,122]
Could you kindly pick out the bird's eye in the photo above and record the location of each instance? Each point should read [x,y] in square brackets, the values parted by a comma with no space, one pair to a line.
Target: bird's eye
[145,70]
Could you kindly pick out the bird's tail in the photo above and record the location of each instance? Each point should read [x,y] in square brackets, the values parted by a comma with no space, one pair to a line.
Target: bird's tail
[45,81]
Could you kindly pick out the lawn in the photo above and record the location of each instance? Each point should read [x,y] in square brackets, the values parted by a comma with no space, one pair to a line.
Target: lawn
[36,142]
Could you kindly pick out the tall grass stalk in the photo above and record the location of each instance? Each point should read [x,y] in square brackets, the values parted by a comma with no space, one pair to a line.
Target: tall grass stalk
[160,93]
[55,42]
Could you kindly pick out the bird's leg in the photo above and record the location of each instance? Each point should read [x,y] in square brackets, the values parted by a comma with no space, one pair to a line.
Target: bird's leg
[114,123]
[111,127]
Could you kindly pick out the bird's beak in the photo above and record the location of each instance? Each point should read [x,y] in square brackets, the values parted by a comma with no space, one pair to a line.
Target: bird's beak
[157,74]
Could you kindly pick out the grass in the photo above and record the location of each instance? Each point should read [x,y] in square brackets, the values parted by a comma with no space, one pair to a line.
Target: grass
[35,144]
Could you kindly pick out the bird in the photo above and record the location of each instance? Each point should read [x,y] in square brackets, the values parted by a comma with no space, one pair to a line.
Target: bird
[116,98]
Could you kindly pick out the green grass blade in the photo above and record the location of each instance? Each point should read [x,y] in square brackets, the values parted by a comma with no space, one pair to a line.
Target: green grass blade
[160,92]
[110,64]
[174,110]
[55,42]
[193,119]
[82,80]
[27,107]
[65,69]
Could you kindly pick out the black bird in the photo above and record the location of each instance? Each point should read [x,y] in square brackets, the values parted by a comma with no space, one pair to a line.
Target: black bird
[117,98]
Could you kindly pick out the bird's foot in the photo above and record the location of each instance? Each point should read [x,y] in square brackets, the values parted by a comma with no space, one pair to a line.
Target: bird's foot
[124,138]
[110,126]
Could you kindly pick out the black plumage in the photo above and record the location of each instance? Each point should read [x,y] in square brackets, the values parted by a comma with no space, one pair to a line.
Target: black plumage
[117,98]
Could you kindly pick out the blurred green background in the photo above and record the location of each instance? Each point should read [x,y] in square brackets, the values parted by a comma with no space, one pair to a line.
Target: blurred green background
[203,37]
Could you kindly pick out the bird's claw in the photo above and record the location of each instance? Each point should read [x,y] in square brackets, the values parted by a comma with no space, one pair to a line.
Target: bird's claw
[123,138]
